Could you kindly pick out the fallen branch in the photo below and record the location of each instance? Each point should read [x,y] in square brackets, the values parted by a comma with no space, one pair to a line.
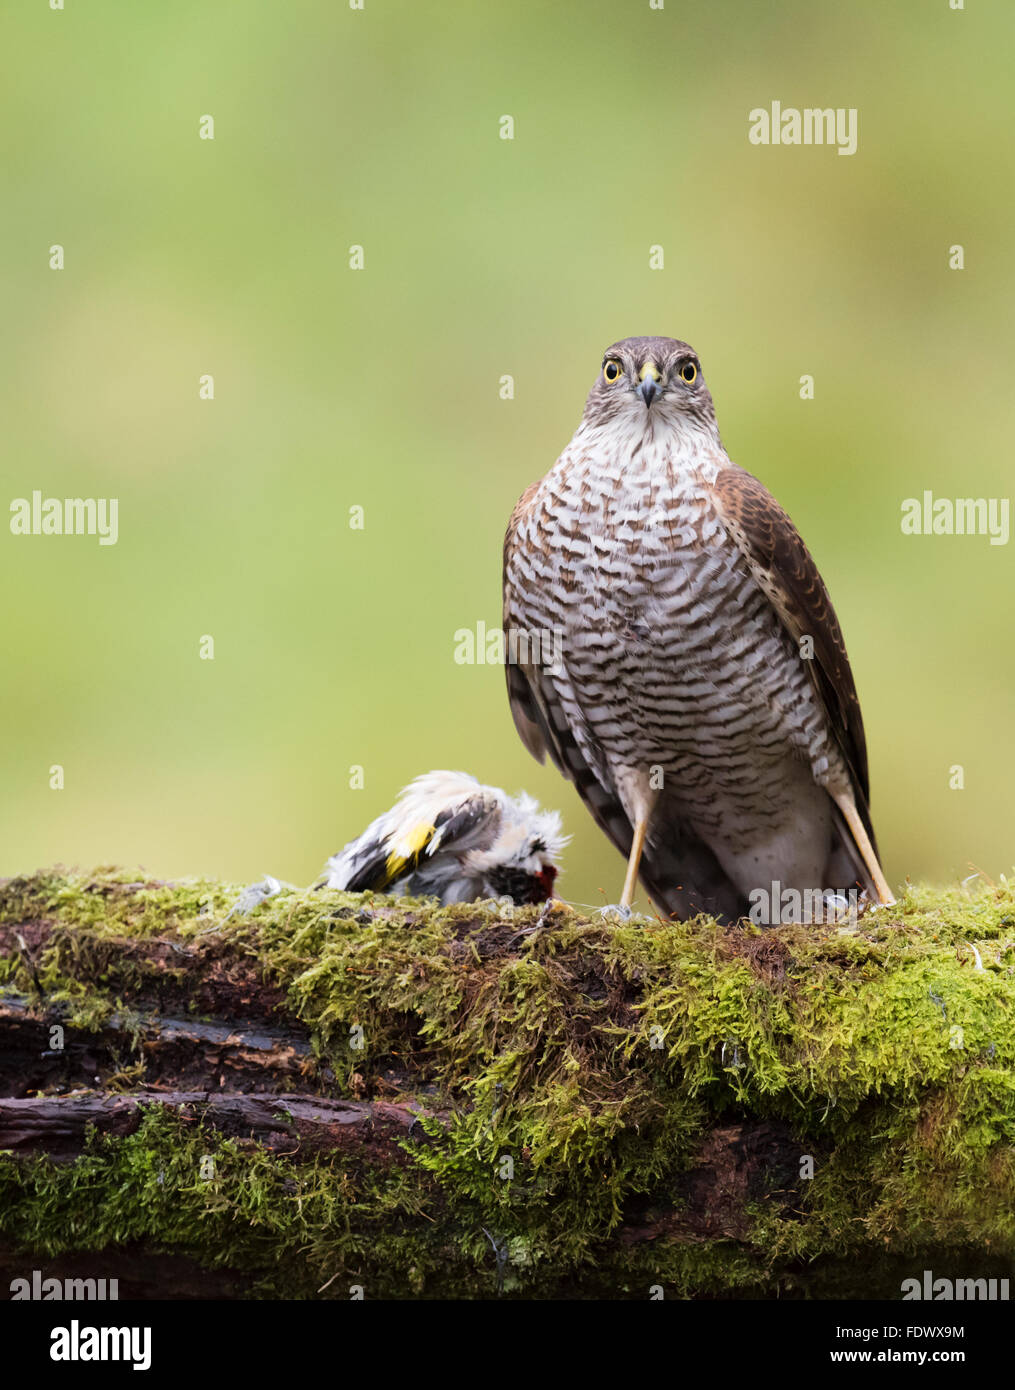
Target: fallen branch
[333,1092]
[57,1126]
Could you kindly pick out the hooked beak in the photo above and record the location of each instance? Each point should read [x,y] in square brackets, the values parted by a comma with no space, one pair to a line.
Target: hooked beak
[650,376]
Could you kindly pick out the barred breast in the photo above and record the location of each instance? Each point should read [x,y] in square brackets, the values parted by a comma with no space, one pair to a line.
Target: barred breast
[674,664]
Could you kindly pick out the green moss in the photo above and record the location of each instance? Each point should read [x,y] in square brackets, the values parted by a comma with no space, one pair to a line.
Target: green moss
[580,1066]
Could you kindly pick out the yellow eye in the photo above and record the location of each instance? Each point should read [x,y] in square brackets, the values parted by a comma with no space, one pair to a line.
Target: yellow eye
[612,370]
[689,372]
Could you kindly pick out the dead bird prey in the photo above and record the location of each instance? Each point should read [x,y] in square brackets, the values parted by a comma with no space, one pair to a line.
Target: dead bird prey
[451,838]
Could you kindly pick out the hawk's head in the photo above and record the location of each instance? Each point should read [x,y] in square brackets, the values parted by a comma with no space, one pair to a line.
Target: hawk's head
[650,380]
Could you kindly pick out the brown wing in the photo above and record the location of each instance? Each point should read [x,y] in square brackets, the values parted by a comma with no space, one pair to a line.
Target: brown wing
[529,721]
[785,570]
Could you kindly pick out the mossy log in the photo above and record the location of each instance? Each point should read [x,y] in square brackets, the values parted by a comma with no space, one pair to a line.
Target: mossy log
[340,1092]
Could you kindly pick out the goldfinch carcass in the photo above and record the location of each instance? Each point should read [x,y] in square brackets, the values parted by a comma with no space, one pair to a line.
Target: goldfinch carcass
[452,838]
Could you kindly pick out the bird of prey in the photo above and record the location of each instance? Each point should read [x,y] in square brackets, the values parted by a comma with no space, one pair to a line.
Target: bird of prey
[451,838]
[700,696]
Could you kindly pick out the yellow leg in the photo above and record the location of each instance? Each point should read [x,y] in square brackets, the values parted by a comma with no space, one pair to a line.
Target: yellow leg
[863,844]
[631,881]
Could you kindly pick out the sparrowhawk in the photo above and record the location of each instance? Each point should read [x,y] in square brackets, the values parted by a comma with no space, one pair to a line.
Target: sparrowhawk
[700,696]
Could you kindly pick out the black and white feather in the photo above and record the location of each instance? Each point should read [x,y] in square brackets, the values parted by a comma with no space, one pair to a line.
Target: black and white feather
[452,838]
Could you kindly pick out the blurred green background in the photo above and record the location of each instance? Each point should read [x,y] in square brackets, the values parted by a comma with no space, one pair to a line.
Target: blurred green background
[483,257]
